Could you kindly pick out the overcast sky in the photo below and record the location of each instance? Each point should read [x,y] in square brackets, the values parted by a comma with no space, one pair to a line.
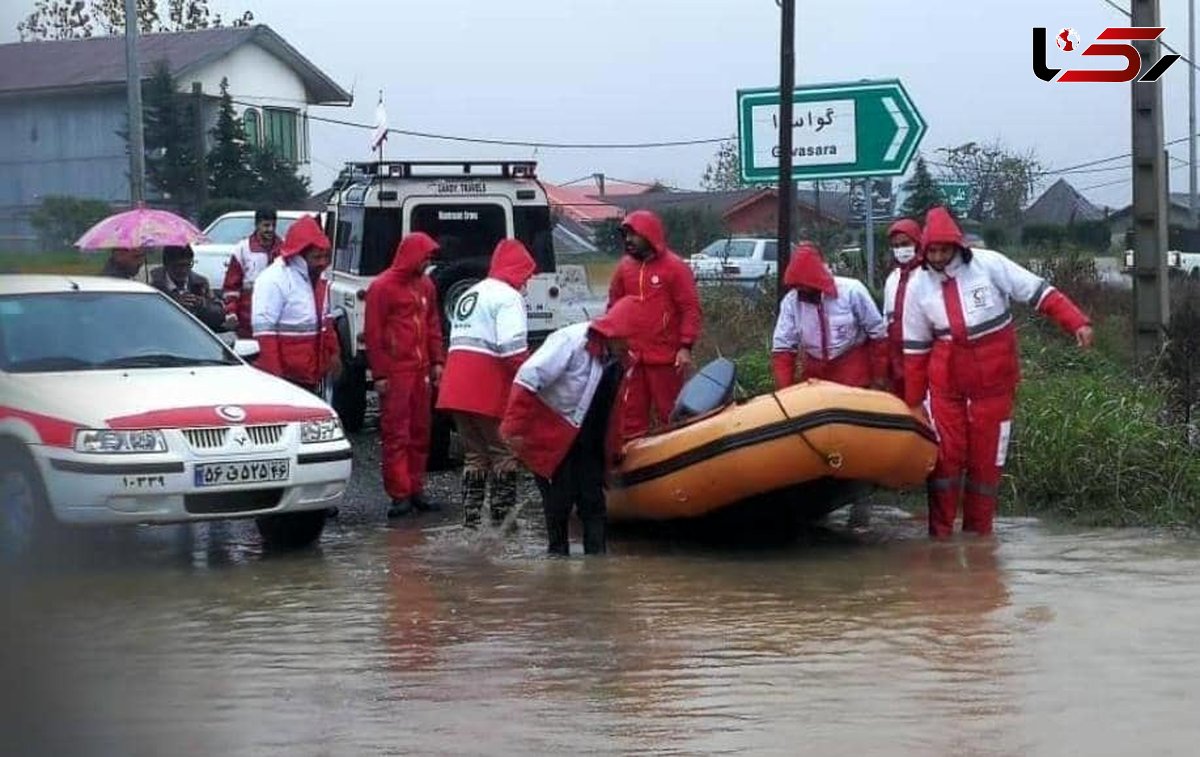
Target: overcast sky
[653,70]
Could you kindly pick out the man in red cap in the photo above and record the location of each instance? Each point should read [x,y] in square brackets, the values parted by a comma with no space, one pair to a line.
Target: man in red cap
[488,343]
[904,237]
[290,311]
[960,344]
[659,358]
[403,334]
[558,420]
[832,321]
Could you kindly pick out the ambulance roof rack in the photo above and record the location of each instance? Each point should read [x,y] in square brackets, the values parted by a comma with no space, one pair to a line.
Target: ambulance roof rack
[445,169]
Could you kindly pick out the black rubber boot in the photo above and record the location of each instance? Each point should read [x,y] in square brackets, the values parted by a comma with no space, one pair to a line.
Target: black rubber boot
[474,492]
[558,536]
[399,507]
[595,539]
[425,505]
[503,496]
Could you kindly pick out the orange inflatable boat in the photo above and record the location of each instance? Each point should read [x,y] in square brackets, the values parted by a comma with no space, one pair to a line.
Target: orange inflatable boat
[793,442]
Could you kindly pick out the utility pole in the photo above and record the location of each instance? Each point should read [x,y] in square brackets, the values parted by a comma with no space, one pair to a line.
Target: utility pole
[787,83]
[1151,307]
[133,86]
[1192,208]
[869,189]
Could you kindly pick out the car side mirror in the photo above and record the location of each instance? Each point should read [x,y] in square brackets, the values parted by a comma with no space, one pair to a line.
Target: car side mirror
[246,349]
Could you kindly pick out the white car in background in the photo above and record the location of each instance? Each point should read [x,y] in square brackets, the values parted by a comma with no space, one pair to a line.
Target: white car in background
[119,407]
[744,261]
[225,232]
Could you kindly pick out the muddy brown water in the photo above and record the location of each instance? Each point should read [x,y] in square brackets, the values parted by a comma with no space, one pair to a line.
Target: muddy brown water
[416,640]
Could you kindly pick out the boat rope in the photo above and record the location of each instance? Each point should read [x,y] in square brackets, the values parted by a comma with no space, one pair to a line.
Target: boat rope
[833,459]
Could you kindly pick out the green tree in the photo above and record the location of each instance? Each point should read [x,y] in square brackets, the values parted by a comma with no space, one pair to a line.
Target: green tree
[276,179]
[1001,180]
[725,172]
[689,229]
[172,160]
[73,19]
[230,173]
[922,192]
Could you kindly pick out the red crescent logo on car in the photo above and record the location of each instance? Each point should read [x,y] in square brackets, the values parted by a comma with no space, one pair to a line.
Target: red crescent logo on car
[231,413]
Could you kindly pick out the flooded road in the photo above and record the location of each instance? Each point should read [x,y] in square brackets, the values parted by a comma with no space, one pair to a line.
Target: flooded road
[414,639]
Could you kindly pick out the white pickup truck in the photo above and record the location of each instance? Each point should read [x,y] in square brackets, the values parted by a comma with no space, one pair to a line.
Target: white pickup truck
[1186,263]
[743,261]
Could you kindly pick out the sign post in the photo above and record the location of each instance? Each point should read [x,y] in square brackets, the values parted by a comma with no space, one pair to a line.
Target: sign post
[957,195]
[839,131]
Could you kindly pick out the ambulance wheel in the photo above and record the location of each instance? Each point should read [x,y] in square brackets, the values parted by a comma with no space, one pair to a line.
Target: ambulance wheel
[26,524]
[350,397]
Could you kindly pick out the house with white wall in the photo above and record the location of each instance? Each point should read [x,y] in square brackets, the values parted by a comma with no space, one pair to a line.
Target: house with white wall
[63,107]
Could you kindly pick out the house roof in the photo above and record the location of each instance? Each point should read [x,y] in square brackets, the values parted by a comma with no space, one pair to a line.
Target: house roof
[714,202]
[1061,205]
[579,206]
[28,68]
[1179,201]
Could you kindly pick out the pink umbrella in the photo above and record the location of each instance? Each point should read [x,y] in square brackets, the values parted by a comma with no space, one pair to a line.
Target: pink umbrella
[140,227]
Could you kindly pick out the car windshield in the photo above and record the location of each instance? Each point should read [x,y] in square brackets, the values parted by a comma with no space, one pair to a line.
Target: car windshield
[88,331]
[729,248]
[233,229]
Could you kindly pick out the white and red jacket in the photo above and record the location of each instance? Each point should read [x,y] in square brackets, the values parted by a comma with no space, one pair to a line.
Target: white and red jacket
[959,337]
[249,259]
[895,291]
[555,387]
[488,336]
[290,312]
[842,335]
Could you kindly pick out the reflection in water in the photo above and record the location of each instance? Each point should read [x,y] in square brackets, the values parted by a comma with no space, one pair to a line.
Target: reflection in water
[426,641]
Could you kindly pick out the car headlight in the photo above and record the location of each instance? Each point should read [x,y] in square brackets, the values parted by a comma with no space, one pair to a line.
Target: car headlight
[324,430]
[107,441]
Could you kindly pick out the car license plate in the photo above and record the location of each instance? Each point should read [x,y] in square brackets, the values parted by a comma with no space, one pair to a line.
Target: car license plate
[248,472]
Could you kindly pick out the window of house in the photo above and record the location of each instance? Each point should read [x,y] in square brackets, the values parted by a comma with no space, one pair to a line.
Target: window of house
[304,144]
[252,125]
[279,127]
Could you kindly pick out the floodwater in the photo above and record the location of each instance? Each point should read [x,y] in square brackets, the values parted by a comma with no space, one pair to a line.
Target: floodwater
[415,640]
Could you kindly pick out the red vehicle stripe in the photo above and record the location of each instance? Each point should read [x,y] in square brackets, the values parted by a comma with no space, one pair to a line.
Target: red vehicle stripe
[54,432]
[185,417]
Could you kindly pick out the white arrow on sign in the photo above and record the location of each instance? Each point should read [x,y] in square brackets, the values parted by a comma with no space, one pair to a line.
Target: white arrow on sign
[902,128]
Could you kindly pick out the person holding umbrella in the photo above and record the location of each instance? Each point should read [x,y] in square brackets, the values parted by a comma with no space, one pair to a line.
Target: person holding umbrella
[129,234]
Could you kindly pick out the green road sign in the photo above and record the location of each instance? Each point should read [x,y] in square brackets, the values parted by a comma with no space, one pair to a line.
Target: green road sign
[867,128]
[957,195]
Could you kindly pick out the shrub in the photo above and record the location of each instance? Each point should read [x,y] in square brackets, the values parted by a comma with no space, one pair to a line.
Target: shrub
[60,221]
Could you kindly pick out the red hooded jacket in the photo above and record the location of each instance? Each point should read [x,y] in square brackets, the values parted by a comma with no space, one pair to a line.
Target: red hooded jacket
[488,336]
[894,291]
[248,260]
[403,328]
[290,311]
[666,283]
[555,387]
[843,313]
[959,336]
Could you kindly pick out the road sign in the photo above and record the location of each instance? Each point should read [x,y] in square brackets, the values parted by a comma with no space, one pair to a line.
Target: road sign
[957,195]
[884,206]
[867,128]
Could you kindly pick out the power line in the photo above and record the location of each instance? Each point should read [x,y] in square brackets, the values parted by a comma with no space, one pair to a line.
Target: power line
[1162,42]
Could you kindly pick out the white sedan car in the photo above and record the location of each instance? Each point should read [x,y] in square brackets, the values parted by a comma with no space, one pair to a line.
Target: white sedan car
[118,407]
[224,233]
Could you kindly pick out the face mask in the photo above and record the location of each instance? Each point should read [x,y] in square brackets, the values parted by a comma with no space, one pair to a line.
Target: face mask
[904,254]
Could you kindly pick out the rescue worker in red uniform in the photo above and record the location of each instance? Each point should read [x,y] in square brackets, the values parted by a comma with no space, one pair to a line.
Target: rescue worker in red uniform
[403,333]
[833,321]
[290,314]
[960,342]
[249,259]
[558,420]
[904,236]
[488,331]
[658,358]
